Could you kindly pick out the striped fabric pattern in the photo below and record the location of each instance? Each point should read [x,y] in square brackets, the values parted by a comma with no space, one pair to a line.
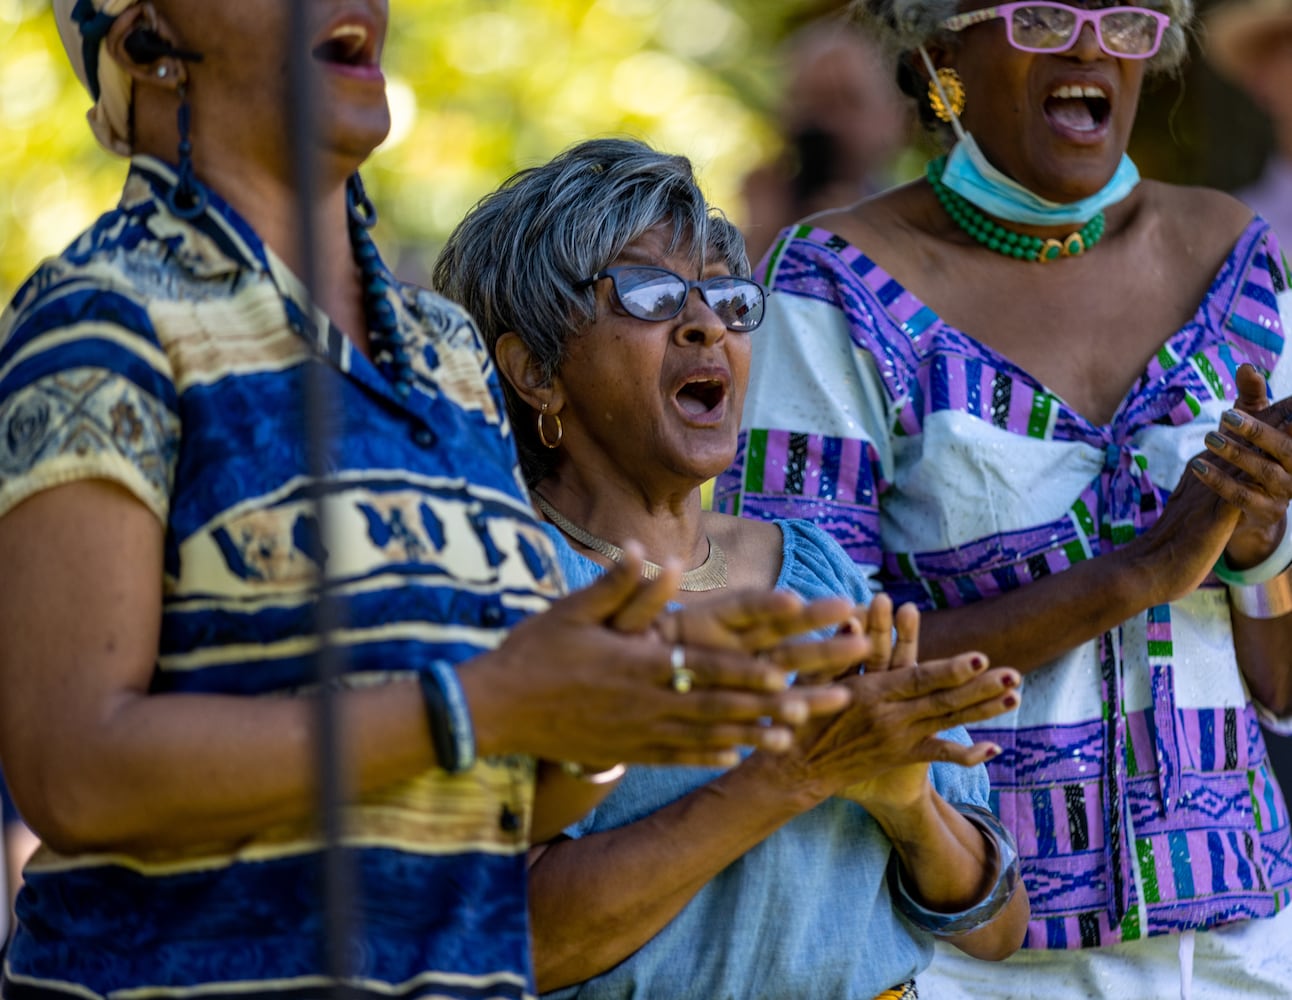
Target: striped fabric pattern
[1145,810]
[170,358]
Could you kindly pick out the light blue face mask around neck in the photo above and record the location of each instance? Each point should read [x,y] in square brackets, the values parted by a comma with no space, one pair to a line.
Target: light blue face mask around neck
[971,175]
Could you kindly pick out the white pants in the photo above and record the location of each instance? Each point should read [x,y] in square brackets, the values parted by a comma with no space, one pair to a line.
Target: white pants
[1251,960]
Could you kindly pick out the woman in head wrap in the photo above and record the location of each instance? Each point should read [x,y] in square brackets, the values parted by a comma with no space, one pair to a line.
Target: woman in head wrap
[162,539]
[1028,392]
[618,309]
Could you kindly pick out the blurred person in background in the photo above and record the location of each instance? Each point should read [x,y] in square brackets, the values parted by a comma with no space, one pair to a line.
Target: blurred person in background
[843,122]
[1249,42]
[1030,393]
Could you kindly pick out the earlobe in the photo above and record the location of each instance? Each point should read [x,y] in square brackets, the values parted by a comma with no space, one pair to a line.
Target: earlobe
[516,363]
[939,56]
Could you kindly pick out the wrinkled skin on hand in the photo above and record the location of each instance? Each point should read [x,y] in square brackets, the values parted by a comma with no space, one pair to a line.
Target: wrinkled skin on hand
[1248,464]
[877,751]
[592,674]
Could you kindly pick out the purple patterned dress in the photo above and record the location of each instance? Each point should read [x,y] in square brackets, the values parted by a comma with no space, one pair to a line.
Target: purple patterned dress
[1134,773]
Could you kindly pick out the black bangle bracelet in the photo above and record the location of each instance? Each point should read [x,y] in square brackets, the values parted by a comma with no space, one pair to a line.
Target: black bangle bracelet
[1000,845]
[452,734]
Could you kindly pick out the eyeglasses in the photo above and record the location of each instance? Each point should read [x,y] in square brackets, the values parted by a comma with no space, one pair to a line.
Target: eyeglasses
[1040,26]
[655,294]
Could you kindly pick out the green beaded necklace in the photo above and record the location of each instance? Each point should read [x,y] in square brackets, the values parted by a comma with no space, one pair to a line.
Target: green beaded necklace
[996,237]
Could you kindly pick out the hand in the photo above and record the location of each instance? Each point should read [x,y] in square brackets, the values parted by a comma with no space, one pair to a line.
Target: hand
[590,679]
[904,784]
[772,623]
[1252,468]
[1178,552]
[899,706]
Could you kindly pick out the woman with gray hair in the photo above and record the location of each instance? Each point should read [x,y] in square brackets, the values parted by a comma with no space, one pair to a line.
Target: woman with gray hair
[1029,393]
[825,873]
[165,545]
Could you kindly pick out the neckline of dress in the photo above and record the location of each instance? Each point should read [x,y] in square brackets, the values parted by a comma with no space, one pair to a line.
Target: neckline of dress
[837,244]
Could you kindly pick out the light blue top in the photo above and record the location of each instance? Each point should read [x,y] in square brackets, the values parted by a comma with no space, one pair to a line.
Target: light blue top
[806,913]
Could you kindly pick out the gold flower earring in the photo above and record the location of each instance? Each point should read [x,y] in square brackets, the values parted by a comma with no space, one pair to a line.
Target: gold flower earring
[954,89]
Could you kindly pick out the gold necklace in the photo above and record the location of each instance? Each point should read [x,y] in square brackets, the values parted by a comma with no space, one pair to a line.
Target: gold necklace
[709,575]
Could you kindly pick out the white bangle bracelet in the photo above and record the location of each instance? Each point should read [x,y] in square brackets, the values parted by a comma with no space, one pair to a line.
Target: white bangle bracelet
[1263,572]
[579,773]
[1271,599]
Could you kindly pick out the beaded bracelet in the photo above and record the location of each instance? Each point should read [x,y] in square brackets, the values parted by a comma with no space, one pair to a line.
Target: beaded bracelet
[452,734]
[1003,853]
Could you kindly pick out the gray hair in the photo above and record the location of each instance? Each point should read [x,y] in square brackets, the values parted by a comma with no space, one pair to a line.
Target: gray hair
[904,25]
[515,259]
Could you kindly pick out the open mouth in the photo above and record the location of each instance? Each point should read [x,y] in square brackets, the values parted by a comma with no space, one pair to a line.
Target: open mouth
[701,397]
[346,45]
[1080,108]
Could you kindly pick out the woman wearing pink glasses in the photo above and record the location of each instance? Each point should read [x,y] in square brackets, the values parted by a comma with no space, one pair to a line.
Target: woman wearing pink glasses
[1031,393]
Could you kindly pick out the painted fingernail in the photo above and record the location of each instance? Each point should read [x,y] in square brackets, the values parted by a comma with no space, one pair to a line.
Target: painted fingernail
[1010,701]
[1232,418]
[993,751]
[1214,440]
[1009,680]
[978,662]
[1199,466]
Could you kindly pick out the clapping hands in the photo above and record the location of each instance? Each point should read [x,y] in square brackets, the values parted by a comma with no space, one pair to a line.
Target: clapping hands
[877,751]
[595,678]
[1249,465]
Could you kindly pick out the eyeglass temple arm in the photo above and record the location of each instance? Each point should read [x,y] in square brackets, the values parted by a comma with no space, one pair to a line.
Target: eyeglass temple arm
[972,17]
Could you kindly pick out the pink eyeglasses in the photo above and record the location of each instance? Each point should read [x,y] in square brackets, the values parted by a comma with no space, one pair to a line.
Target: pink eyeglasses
[1041,26]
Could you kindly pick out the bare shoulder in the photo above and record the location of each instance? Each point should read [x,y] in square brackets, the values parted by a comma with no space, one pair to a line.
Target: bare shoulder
[883,224]
[753,548]
[1201,221]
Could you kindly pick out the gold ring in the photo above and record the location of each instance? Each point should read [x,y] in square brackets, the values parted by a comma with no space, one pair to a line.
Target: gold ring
[683,679]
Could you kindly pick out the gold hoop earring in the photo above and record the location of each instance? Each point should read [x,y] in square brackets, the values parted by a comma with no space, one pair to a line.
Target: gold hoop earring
[542,433]
[953,87]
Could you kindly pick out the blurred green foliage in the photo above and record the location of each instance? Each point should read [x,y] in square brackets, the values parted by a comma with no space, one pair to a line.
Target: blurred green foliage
[481,88]
[478,89]
[55,178]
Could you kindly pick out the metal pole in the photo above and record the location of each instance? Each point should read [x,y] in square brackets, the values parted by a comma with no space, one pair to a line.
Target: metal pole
[337,876]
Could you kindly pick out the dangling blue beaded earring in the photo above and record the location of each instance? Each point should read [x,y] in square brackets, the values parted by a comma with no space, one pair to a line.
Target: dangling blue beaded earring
[187,199]
[362,211]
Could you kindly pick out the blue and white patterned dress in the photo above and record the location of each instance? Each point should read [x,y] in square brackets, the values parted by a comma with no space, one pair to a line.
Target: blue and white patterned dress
[169,357]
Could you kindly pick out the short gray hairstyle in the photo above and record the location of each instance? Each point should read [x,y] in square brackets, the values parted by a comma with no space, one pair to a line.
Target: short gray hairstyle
[515,259]
[904,25]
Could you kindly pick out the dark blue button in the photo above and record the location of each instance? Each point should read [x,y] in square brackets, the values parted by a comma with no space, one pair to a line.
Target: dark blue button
[423,437]
[492,615]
